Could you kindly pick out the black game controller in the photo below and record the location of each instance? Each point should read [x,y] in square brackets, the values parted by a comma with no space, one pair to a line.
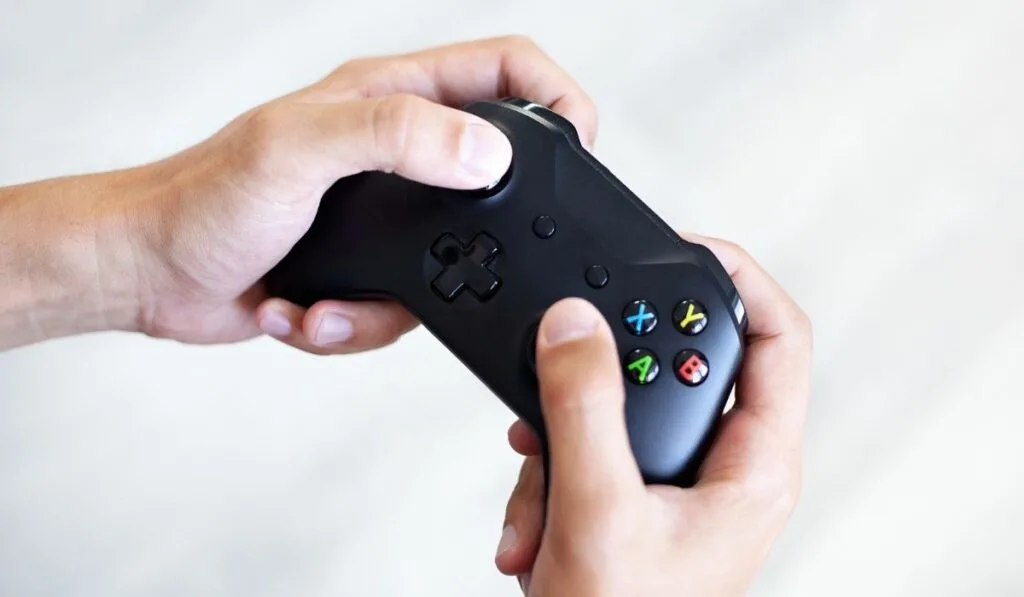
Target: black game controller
[480,268]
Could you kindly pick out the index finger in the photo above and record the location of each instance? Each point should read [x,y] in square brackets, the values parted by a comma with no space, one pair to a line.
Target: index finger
[459,73]
[774,383]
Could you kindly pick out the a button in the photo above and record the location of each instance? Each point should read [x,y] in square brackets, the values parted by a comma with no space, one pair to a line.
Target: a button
[690,317]
[641,366]
[466,267]
[544,227]
[640,317]
[691,367]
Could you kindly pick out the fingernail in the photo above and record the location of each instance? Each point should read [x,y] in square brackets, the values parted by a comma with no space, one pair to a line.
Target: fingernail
[524,582]
[508,540]
[275,323]
[485,152]
[569,320]
[333,328]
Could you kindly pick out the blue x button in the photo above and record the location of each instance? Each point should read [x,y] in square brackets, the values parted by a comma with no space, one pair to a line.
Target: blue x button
[640,317]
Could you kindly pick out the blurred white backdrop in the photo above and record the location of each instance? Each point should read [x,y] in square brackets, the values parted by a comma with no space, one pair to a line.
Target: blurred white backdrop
[868,152]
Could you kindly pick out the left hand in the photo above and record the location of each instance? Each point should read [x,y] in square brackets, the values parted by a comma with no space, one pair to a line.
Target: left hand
[231,207]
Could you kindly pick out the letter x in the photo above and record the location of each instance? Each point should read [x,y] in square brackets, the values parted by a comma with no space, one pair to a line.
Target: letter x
[641,316]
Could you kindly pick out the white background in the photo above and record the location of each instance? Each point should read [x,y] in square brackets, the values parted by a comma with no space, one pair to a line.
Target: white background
[868,152]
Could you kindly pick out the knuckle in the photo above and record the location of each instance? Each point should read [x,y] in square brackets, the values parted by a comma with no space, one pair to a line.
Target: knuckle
[803,326]
[591,539]
[799,333]
[391,119]
[579,388]
[589,107]
[371,77]
[738,250]
[357,69]
[353,66]
[262,130]
[527,493]
[390,328]
[519,41]
[774,491]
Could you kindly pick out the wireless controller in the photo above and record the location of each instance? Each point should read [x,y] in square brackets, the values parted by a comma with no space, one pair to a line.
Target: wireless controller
[480,268]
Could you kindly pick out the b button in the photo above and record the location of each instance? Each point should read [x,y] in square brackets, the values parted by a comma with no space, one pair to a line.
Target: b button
[690,317]
[641,366]
[691,367]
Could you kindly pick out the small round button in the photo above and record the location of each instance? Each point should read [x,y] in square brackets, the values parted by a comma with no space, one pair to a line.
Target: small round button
[691,367]
[597,276]
[641,366]
[640,317]
[690,317]
[544,227]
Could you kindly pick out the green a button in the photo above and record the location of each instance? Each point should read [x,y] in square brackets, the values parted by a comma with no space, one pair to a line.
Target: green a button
[641,366]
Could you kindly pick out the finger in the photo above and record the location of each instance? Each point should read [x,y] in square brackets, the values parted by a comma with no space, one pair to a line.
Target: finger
[774,383]
[408,135]
[775,375]
[583,402]
[524,521]
[456,74]
[770,310]
[522,439]
[335,327]
[524,582]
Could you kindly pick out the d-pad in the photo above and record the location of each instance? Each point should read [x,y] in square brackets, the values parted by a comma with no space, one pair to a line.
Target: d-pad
[466,266]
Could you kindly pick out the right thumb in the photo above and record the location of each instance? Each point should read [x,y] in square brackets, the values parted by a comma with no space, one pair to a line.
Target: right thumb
[583,401]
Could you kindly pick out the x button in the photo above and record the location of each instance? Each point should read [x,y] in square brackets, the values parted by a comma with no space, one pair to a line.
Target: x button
[640,317]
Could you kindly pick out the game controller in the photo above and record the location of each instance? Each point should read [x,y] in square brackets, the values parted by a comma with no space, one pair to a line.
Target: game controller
[480,268]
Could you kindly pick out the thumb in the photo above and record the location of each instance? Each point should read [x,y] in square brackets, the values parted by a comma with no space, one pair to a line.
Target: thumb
[583,402]
[404,134]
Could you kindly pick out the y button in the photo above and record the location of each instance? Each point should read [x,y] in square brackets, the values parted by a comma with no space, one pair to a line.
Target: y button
[690,317]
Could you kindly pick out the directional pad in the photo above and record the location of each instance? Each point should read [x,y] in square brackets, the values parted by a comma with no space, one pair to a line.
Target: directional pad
[466,266]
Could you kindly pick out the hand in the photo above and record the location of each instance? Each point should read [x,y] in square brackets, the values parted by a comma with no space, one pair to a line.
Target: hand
[231,207]
[606,533]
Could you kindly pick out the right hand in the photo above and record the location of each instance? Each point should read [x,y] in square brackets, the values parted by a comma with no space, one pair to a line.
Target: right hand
[600,530]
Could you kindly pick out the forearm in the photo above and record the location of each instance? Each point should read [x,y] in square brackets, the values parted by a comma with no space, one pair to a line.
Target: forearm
[67,257]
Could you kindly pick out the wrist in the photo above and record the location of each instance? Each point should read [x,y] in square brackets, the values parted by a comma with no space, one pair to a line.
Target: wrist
[69,256]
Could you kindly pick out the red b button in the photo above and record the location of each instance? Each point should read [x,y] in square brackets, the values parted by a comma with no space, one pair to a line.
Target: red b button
[691,367]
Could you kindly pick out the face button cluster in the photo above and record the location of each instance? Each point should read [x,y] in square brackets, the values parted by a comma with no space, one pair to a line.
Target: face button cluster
[640,317]
[641,365]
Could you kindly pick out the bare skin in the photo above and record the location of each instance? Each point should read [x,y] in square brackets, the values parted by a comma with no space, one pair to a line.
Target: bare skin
[599,530]
[175,249]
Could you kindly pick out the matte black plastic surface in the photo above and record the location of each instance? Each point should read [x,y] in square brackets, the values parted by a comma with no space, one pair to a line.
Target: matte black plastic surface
[378,235]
